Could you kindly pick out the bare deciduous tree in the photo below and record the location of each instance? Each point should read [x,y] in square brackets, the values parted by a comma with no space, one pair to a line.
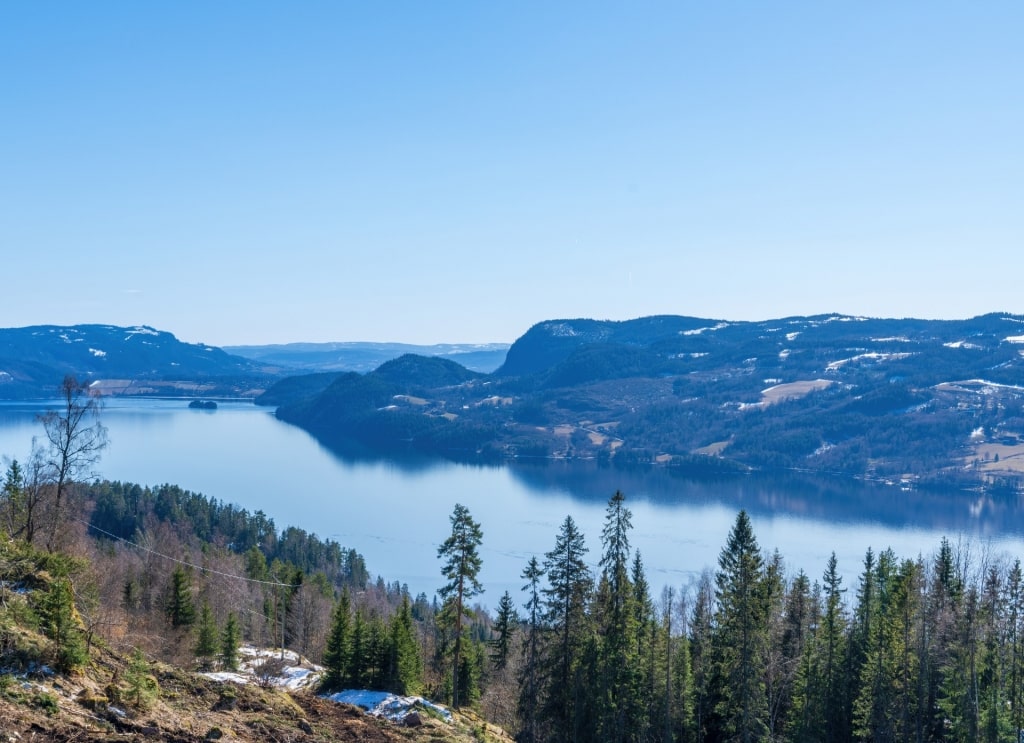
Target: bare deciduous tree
[76,439]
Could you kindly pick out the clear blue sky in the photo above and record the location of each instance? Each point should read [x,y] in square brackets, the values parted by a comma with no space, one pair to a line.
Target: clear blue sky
[250,172]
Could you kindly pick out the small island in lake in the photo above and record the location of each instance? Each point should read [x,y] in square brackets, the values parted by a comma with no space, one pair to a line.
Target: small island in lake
[203,405]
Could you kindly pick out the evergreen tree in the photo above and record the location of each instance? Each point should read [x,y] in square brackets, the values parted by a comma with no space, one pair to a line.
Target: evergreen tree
[1015,648]
[462,562]
[181,608]
[742,634]
[505,624]
[796,623]
[643,682]
[358,663]
[993,696]
[885,704]
[230,640]
[337,655]
[618,628]
[141,687]
[530,678]
[820,686]
[566,599]
[63,625]
[405,661]
[702,653]
[206,636]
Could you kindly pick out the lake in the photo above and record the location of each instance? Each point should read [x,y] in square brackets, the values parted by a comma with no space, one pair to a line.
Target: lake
[396,512]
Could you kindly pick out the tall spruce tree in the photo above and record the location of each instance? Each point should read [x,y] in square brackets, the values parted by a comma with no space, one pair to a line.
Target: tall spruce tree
[230,639]
[742,634]
[461,566]
[702,652]
[530,674]
[619,629]
[505,623]
[566,599]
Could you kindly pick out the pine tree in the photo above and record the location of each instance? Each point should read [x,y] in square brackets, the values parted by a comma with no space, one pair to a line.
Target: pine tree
[230,640]
[742,634]
[462,562]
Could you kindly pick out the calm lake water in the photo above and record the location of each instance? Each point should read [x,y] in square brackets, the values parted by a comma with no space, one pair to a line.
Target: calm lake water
[396,513]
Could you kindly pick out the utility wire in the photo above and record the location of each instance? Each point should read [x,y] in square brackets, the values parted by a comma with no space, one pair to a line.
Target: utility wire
[186,563]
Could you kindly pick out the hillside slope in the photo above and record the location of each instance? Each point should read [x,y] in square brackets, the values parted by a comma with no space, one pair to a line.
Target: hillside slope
[868,397]
[122,360]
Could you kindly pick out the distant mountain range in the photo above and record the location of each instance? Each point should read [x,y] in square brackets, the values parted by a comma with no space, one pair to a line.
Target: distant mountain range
[120,360]
[906,400]
[365,357]
[144,361]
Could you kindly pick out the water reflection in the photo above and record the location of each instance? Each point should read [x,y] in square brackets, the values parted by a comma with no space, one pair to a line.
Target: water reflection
[395,510]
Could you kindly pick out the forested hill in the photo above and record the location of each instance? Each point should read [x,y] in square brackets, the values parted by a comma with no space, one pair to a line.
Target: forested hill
[119,360]
[884,398]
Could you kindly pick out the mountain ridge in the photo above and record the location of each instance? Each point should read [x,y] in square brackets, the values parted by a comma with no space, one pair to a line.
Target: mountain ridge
[141,359]
[887,398]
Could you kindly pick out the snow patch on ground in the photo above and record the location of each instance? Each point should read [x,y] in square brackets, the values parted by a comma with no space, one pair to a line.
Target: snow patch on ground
[793,335]
[1014,339]
[97,353]
[387,705]
[292,672]
[961,344]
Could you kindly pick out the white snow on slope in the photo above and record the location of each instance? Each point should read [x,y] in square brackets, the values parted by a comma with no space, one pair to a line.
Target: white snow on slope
[873,356]
[698,331]
[385,704]
[1015,339]
[296,673]
[293,674]
[97,353]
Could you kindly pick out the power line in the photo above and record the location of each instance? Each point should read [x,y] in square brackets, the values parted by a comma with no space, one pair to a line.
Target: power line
[186,563]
